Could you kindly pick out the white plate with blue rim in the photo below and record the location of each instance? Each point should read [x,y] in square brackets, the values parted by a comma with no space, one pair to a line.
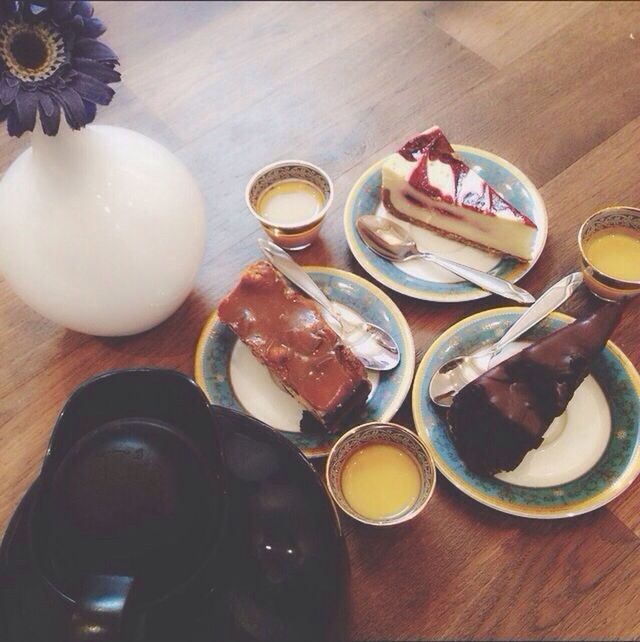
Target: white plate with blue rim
[232,377]
[590,454]
[422,280]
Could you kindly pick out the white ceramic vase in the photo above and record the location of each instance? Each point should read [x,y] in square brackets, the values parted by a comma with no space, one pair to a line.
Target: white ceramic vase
[101,230]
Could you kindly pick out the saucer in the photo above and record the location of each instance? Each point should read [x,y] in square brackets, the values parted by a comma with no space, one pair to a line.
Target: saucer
[422,280]
[231,376]
[286,566]
[591,453]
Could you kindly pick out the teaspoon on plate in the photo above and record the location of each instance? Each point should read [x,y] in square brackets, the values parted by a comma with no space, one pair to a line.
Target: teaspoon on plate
[392,242]
[375,347]
[455,374]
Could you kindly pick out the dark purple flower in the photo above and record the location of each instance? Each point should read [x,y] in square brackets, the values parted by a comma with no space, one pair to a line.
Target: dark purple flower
[52,62]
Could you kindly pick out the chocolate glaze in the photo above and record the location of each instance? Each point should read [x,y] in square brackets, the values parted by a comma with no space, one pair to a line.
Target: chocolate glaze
[502,415]
[468,189]
[286,331]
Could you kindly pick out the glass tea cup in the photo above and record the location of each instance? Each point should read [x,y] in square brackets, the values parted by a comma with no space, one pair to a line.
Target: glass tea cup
[295,230]
[606,286]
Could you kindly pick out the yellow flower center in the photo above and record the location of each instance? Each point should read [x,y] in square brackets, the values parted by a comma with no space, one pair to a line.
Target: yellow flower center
[31,51]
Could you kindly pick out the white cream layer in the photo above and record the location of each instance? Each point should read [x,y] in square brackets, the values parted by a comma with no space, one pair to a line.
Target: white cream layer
[503,231]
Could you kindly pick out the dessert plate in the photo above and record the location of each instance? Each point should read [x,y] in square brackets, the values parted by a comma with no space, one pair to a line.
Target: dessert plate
[231,376]
[590,454]
[422,280]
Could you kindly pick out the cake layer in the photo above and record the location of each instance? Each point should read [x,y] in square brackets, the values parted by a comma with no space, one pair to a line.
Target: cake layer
[428,184]
[503,242]
[286,332]
[502,415]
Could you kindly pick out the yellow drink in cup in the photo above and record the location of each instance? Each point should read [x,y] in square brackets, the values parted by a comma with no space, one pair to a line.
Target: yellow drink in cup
[609,244]
[290,200]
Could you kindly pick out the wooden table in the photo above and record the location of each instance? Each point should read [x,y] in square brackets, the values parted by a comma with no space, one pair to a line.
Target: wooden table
[554,88]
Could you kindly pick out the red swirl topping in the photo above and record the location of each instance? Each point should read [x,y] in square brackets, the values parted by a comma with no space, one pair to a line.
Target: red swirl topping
[456,183]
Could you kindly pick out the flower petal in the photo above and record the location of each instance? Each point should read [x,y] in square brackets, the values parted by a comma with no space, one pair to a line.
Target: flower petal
[91,89]
[60,11]
[10,8]
[84,9]
[26,105]
[88,48]
[13,124]
[100,71]
[78,23]
[72,106]
[8,92]
[36,8]
[50,121]
[90,110]
[93,28]
[47,105]
[58,81]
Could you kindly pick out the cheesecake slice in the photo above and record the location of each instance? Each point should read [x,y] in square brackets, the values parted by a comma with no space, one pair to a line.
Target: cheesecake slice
[427,184]
[502,415]
[286,331]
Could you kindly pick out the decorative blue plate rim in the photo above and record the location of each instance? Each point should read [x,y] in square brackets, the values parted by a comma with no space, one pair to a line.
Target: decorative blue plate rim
[613,474]
[364,198]
[216,341]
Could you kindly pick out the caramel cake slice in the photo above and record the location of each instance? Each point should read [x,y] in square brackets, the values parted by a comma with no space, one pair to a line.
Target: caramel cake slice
[287,333]
[502,415]
[426,184]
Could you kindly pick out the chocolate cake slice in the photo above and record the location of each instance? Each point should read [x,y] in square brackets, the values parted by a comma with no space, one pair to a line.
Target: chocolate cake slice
[502,415]
[286,332]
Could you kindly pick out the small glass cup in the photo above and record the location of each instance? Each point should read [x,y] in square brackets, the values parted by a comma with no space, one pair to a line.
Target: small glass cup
[602,285]
[299,234]
[386,433]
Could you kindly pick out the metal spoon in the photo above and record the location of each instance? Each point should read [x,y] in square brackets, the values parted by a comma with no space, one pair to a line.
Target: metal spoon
[392,242]
[375,347]
[458,372]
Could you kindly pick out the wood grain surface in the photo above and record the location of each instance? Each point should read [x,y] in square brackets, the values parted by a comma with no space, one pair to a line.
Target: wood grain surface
[229,87]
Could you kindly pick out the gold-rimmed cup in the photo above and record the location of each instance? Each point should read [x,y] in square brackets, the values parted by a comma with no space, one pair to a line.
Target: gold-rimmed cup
[603,285]
[299,234]
[381,433]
